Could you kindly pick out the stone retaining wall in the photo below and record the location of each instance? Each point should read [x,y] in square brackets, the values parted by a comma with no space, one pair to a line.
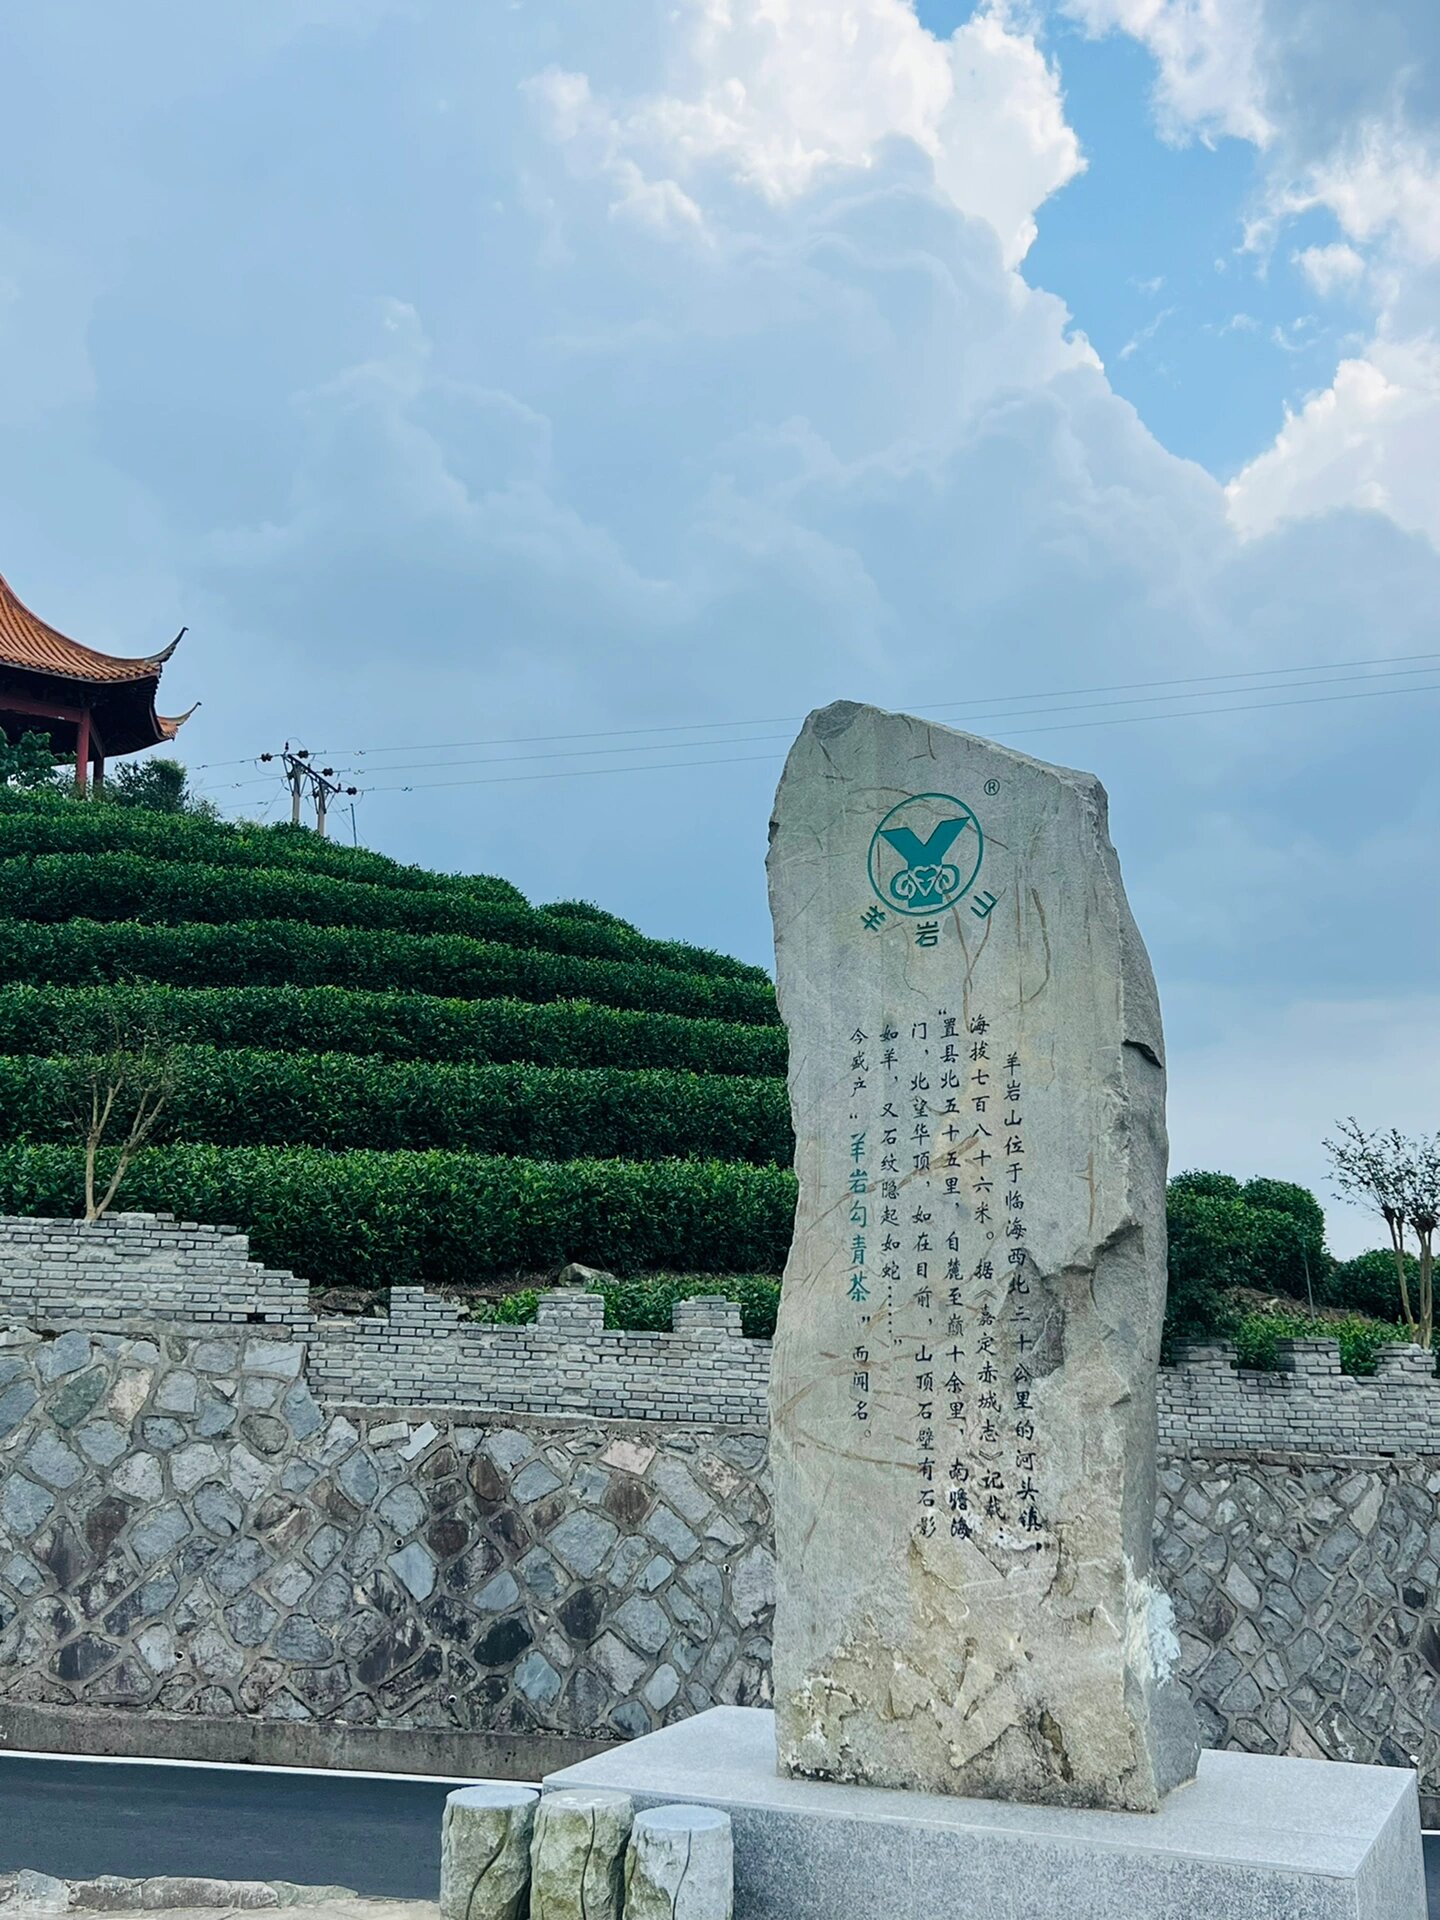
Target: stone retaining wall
[185,1528]
[213,1524]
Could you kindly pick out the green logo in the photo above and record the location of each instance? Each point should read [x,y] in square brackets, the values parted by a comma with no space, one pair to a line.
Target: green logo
[926,854]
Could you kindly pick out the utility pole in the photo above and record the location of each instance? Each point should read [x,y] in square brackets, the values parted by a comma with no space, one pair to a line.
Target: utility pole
[302,778]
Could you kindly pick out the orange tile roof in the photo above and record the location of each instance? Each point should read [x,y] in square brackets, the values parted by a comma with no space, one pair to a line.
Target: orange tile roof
[27,641]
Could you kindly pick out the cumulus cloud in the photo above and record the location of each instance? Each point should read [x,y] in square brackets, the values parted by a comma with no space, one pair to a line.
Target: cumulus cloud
[1330,268]
[1368,440]
[781,92]
[1208,59]
[1341,97]
[608,412]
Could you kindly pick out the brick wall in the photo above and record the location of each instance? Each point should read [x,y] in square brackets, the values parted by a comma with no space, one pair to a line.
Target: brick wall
[140,1268]
[1308,1406]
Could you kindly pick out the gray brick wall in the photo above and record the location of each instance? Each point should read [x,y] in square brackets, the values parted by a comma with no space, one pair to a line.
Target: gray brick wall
[139,1268]
[1309,1406]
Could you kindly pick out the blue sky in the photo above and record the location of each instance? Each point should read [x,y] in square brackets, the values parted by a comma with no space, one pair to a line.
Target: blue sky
[503,374]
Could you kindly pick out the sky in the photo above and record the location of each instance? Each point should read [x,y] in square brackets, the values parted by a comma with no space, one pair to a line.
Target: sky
[536,408]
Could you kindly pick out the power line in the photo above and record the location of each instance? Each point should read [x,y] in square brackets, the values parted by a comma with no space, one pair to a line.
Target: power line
[703,726]
[1120,720]
[971,714]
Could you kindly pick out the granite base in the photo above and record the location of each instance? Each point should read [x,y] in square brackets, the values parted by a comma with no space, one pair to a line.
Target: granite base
[1252,1838]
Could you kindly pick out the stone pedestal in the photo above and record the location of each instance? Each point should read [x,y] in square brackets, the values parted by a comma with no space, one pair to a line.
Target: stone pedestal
[1251,1838]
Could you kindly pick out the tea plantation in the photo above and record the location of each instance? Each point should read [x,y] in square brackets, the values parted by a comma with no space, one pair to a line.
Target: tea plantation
[383,1074]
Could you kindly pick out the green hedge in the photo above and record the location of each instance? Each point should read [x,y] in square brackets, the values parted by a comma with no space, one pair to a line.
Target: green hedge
[1370,1284]
[127,886]
[399,1026]
[286,952]
[1256,1336]
[440,1218]
[244,1097]
[55,823]
[645,1306]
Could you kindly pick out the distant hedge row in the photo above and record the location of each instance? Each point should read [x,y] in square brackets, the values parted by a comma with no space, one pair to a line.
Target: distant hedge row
[287,952]
[127,886]
[399,1026]
[244,1097]
[33,823]
[441,1218]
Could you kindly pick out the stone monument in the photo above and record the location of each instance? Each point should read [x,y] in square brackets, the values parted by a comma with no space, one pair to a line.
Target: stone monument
[977,1711]
[963,1394]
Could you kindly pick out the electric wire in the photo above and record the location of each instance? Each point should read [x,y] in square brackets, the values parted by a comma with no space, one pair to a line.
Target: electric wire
[699,726]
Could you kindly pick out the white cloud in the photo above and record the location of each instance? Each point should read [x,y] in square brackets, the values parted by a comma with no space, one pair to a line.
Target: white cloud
[779,93]
[1207,53]
[1381,183]
[1311,84]
[1330,268]
[1367,441]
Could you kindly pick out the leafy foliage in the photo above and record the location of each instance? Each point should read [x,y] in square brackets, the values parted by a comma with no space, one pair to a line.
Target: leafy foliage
[246,1097]
[287,952]
[371,1219]
[397,1026]
[162,786]
[122,886]
[1268,1235]
[1369,1283]
[51,823]
[1257,1336]
[645,1306]
[28,765]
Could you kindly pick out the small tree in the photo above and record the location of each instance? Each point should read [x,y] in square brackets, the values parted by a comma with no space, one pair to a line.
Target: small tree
[162,786]
[119,1094]
[29,762]
[1400,1180]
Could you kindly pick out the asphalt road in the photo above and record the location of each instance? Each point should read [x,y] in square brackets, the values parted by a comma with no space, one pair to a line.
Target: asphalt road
[380,1835]
[77,1818]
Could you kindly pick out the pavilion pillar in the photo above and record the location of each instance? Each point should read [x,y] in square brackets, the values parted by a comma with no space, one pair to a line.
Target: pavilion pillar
[82,752]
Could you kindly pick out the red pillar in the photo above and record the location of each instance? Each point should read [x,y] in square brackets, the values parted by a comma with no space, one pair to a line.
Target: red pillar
[82,751]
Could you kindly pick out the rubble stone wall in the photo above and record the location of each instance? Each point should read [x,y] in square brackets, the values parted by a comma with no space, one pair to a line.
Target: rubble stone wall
[217,1512]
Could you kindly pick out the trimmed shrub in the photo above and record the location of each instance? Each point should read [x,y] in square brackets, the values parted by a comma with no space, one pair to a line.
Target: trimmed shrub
[242,1097]
[1283,1196]
[1370,1284]
[645,1306]
[441,1219]
[400,1026]
[1257,1336]
[56,823]
[1221,1238]
[286,952]
[127,886]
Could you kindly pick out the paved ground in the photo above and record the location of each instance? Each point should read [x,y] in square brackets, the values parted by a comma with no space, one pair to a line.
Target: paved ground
[80,1818]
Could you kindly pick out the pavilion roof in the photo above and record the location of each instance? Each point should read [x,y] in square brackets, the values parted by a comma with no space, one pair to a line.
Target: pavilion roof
[29,642]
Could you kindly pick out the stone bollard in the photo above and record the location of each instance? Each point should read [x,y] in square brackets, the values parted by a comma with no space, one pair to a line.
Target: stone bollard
[680,1865]
[577,1859]
[485,1852]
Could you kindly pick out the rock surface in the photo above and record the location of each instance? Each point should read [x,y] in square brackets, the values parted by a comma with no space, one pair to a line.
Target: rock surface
[963,1392]
[680,1865]
[485,1838]
[577,1860]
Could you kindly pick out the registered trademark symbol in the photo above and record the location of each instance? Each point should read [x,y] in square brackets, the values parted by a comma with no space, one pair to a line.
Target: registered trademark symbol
[992,787]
